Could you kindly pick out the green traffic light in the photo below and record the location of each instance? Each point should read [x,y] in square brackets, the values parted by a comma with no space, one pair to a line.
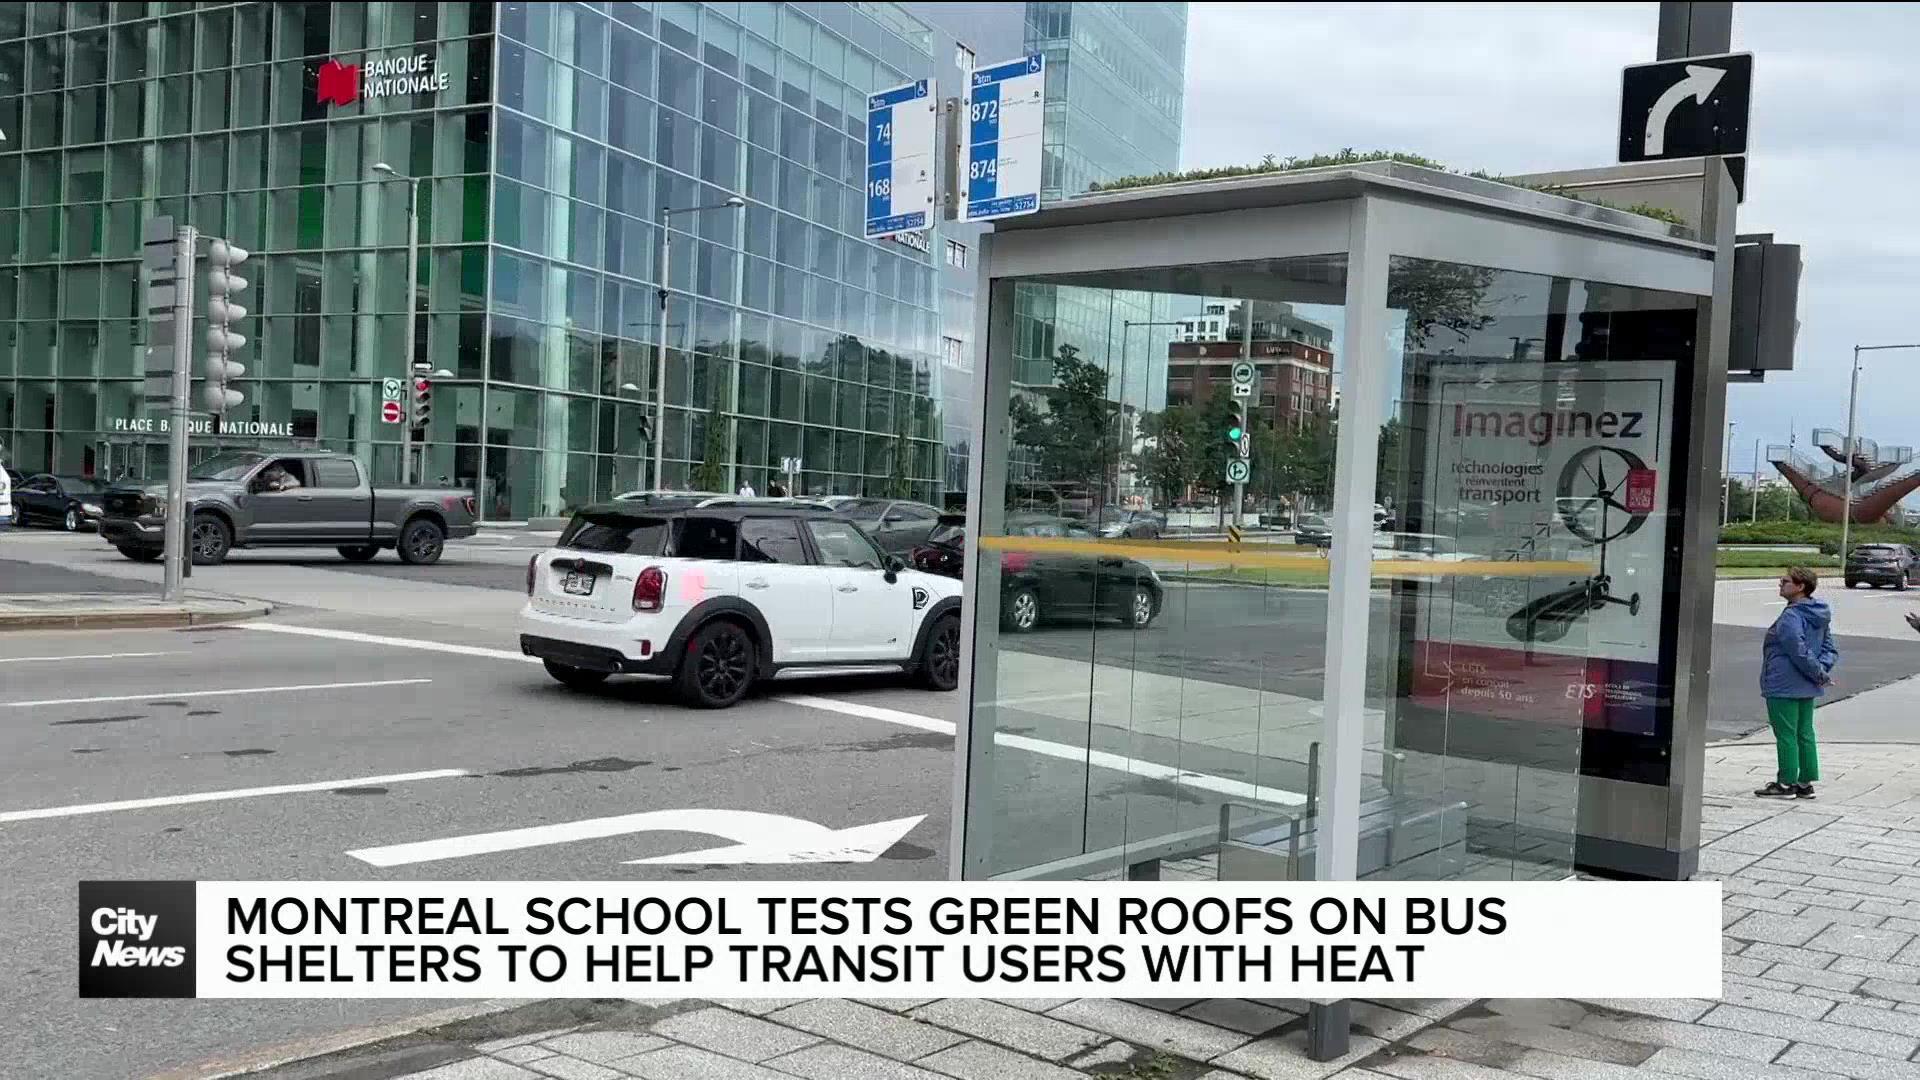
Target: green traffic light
[1234,433]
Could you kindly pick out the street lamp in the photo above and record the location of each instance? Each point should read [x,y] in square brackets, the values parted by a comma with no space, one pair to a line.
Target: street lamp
[389,175]
[734,202]
[1726,486]
[1853,404]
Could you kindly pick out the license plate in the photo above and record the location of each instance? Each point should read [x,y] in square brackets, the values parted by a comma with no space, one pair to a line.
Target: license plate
[578,583]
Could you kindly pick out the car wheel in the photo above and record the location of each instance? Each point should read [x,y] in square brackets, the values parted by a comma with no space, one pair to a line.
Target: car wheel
[71,520]
[211,540]
[940,657]
[359,552]
[140,554]
[718,666]
[575,678]
[422,542]
[1021,611]
[1141,611]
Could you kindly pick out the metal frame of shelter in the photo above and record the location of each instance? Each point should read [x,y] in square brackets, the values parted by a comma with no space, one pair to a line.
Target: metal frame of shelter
[1371,213]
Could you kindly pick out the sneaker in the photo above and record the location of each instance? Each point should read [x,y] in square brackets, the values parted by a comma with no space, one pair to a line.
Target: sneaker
[1804,791]
[1777,790]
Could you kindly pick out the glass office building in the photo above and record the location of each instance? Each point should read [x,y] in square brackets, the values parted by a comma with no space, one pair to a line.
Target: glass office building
[542,139]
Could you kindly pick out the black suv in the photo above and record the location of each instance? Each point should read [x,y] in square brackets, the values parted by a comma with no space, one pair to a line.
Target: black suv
[1883,564]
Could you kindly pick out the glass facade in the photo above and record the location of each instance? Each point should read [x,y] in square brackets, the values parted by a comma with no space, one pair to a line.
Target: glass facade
[544,139]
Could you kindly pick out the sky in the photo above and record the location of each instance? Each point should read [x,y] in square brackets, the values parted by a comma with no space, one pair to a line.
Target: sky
[1510,88]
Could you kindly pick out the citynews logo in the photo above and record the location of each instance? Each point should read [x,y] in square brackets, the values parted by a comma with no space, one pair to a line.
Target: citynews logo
[136,939]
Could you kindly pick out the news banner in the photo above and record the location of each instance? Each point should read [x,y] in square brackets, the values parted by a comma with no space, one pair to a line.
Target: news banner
[465,939]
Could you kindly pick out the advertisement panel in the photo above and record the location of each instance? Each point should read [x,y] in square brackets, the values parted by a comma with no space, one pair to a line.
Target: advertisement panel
[1565,462]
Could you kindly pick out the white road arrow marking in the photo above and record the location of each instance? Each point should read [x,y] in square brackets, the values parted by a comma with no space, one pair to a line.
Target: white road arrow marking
[1699,82]
[758,838]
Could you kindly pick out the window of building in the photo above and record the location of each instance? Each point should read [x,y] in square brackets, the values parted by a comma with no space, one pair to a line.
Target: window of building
[962,57]
[956,254]
[951,352]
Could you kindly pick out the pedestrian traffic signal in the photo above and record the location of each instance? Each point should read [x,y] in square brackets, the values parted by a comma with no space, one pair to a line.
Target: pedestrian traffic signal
[420,408]
[223,284]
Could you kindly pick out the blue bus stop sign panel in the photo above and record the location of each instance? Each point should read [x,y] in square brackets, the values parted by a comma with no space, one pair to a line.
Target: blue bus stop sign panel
[901,134]
[1005,106]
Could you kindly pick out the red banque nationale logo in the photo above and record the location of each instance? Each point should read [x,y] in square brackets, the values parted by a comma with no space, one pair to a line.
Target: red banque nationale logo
[338,83]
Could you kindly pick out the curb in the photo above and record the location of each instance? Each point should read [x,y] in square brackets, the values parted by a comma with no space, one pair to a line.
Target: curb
[109,619]
[322,1046]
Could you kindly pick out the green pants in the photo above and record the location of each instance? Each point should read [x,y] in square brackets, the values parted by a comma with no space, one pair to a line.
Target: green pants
[1792,720]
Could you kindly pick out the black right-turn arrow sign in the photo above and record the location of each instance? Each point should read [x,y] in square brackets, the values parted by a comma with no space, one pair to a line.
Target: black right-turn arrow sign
[1687,108]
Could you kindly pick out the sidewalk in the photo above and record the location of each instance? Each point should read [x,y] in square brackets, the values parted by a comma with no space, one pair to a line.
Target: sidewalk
[1822,918]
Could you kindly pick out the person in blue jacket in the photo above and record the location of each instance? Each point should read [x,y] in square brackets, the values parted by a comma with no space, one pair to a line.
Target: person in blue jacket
[1796,668]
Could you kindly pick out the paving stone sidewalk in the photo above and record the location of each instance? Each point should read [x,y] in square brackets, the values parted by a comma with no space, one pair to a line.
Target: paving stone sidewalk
[1822,936]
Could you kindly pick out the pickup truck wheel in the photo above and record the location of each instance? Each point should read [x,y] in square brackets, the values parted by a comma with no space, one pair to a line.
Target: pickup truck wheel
[140,554]
[422,542]
[359,553]
[211,540]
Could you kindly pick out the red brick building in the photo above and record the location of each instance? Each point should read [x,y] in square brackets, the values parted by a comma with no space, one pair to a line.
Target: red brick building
[1293,357]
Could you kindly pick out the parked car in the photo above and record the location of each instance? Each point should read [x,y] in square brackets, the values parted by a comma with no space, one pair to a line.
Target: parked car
[1882,564]
[721,598]
[71,502]
[241,498]
[1314,531]
[1117,522]
[660,495]
[897,525]
[1041,586]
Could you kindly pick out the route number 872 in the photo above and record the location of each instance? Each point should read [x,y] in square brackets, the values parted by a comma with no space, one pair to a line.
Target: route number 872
[984,111]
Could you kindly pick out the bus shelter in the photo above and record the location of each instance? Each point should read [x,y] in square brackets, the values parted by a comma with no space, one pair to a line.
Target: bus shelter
[1445,630]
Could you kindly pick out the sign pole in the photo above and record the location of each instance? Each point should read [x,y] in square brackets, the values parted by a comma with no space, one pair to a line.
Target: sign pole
[177,550]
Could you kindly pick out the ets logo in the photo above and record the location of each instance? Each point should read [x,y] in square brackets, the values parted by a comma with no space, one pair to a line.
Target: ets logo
[136,939]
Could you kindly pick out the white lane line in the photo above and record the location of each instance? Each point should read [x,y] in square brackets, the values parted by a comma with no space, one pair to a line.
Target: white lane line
[222,796]
[375,639]
[83,656]
[1036,699]
[167,694]
[1063,751]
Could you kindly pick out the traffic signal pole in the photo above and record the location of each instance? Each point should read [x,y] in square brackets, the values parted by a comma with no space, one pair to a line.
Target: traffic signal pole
[176,551]
[1246,355]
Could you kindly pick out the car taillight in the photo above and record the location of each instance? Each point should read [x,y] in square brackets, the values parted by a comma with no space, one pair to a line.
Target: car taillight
[531,570]
[650,589]
[467,501]
[1015,561]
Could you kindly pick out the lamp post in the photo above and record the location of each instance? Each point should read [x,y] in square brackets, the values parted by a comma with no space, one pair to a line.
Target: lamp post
[660,346]
[1120,399]
[1853,406]
[1726,485]
[389,174]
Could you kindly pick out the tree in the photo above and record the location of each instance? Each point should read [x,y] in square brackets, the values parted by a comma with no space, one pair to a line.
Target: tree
[1440,296]
[1167,461]
[711,473]
[1071,438]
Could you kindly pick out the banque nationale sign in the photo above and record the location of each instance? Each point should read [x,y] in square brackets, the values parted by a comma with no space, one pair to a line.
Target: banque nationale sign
[395,73]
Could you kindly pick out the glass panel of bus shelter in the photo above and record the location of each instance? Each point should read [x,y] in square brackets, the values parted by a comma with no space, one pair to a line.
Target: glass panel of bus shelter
[1144,673]
[1527,473]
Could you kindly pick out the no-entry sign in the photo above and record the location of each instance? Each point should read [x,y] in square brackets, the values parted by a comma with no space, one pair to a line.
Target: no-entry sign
[390,412]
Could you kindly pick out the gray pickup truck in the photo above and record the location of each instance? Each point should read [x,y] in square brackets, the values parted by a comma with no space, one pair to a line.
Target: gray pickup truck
[308,498]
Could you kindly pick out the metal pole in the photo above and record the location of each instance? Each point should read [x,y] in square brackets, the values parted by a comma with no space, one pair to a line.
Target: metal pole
[177,551]
[1846,511]
[1726,484]
[413,307]
[1246,354]
[660,363]
[1753,515]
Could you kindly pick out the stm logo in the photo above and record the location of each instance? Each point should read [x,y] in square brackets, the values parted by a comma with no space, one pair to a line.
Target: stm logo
[338,83]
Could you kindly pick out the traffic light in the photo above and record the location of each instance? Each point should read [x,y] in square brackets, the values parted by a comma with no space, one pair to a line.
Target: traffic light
[420,406]
[1237,423]
[223,285]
